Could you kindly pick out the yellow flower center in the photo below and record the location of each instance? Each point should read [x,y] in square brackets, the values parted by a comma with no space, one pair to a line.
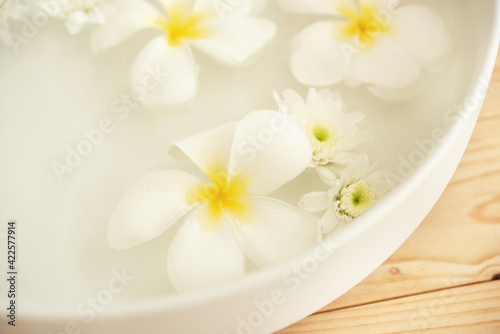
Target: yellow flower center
[222,195]
[321,133]
[364,22]
[182,23]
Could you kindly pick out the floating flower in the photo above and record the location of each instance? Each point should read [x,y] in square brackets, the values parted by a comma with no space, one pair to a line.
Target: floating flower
[10,10]
[226,217]
[357,189]
[333,134]
[77,13]
[231,40]
[371,43]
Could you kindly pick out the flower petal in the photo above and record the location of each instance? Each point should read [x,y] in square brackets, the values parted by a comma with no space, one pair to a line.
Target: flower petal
[330,221]
[379,181]
[321,7]
[75,22]
[316,58]
[329,174]
[225,9]
[268,150]
[163,74]
[386,64]
[315,201]
[209,149]
[150,207]
[198,259]
[358,169]
[129,17]
[397,95]
[424,34]
[277,231]
[292,104]
[187,3]
[233,40]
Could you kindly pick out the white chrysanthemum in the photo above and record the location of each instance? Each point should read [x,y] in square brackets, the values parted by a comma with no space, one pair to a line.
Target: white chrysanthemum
[351,195]
[333,133]
[227,217]
[9,10]
[231,38]
[78,13]
[353,200]
[370,43]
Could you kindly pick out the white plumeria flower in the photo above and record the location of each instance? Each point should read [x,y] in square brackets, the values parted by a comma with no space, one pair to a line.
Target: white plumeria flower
[357,189]
[371,43]
[225,217]
[77,13]
[333,134]
[231,40]
[10,10]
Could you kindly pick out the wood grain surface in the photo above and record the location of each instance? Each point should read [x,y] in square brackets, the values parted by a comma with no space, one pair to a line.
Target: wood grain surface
[446,277]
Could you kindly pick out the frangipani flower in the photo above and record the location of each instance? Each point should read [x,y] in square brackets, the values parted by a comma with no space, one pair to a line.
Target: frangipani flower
[10,10]
[77,13]
[333,134]
[357,189]
[230,40]
[371,43]
[224,217]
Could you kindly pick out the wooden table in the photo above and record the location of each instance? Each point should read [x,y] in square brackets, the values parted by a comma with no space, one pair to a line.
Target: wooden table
[446,277]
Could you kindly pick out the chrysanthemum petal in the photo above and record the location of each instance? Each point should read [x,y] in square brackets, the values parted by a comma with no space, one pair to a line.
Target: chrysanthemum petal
[75,22]
[150,207]
[233,40]
[129,17]
[292,103]
[277,231]
[268,150]
[329,174]
[329,221]
[325,101]
[424,34]
[164,75]
[380,181]
[209,149]
[358,169]
[386,63]
[317,58]
[198,259]
[315,201]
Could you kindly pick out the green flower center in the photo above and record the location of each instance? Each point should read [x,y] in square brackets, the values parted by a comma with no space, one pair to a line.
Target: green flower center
[321,133]
[356,198]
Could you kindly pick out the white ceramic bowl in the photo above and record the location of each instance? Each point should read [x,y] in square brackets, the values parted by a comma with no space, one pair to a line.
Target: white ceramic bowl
[270,299]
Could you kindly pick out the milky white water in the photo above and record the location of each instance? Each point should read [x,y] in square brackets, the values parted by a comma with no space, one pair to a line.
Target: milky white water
[55,89]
